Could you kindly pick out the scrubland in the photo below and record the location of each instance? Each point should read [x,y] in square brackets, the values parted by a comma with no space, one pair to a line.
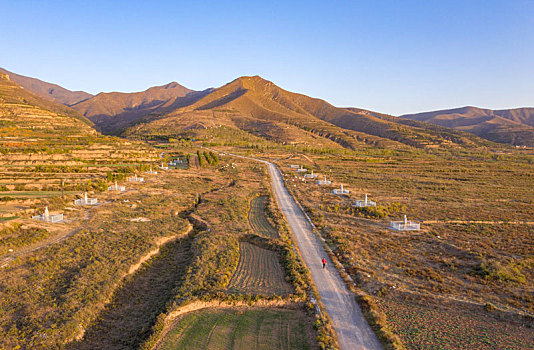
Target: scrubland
[467,274]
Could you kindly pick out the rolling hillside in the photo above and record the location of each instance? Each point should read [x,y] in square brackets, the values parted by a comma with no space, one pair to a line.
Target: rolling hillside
[258,106]
[511,126]
[49,91]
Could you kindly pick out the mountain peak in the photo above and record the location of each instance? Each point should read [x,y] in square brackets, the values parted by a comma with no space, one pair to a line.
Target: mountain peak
[171,85]
[254,82]
[255,79]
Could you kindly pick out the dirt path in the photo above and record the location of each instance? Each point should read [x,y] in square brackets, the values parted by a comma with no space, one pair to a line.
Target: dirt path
[351,327]
[7,258]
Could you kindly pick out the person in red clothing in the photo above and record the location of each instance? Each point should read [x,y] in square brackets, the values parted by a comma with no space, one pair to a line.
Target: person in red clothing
[324,262]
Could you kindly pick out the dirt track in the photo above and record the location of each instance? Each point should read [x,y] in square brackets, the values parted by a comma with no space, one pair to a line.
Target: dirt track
[352,329]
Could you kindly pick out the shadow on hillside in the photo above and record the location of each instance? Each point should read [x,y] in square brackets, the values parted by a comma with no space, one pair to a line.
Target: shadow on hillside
[127,321]
[224,100]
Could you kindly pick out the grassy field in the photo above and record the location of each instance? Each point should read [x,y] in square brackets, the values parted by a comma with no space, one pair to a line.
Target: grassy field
[44,151]
[258,272]
[258,220]
[241,328]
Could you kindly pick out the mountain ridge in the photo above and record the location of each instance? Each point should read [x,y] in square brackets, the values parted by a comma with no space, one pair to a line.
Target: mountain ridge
[251,103]
[49,91]
[513,126]
[111,111]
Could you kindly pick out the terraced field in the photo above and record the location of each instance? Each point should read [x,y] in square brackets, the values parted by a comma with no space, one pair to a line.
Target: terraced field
[241,328]
[258,220]
[258,272]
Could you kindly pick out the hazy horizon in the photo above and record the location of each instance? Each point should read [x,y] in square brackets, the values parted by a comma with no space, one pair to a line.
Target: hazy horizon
[388,57]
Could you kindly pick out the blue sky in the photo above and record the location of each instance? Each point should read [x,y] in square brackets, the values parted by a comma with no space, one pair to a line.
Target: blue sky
[389,56]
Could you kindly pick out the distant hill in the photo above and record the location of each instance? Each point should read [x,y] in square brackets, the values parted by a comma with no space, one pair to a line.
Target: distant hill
[26,118]
[511,126]
[260,107]
[115,110]
[49,91]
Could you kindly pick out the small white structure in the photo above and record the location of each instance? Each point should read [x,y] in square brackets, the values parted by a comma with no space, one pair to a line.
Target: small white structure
[117,188]
[86,201]
[324,182]
[302,169]
[46,216]
[405,225]
[364,203]
[340,190]
[152,172]
[311,176]
[176,162]
[294,166]
[136,179]
[162,167]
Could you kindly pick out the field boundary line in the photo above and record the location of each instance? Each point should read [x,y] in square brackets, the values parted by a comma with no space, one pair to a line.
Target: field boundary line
[159,243]
[477,222]
[134,267]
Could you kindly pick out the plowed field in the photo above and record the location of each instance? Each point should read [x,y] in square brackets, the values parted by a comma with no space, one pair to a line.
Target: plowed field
[258,272]
[258,220]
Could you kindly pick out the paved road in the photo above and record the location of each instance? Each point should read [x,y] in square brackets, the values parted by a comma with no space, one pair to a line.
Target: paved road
[352,329]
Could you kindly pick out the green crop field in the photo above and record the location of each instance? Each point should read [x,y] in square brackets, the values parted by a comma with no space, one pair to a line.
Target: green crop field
[258,272]
[258,220]
[241,328]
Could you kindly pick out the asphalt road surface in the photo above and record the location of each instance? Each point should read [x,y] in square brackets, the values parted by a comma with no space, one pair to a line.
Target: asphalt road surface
[352,329]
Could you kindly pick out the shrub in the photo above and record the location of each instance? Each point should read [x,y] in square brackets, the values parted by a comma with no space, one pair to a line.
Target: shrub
[495,270]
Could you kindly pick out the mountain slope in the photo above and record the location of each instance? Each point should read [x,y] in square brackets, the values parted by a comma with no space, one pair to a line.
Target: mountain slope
[115,110]
[26,118]
[512,126]
[49,91]
[13,94]
[256,105]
